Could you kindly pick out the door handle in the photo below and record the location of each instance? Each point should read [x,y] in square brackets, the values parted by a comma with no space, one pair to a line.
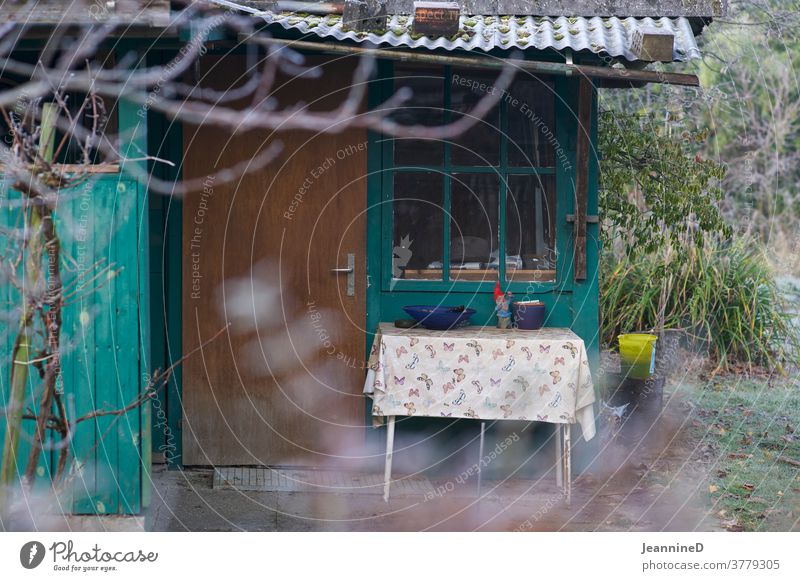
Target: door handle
[350,271]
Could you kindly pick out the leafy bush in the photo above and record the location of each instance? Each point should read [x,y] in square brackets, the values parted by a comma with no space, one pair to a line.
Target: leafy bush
[654,187]
[722,294]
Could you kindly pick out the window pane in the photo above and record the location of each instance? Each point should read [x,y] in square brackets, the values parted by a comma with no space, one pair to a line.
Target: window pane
[531,130]
[418,225]
[480,145]
[530,228]
[424,108]
[474,208]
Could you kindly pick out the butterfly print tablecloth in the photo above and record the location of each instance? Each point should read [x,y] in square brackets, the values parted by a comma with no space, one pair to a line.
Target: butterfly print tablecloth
[482,373]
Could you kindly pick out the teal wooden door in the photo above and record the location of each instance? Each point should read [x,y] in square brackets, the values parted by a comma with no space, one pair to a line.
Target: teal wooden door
[568,303]
[101,345]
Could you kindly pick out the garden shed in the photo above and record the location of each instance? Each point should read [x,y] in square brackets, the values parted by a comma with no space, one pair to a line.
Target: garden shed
[348,226]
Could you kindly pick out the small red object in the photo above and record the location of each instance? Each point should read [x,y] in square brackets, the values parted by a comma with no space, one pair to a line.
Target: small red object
[497,292]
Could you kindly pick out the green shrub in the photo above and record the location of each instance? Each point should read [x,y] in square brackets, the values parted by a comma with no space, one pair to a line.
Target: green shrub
[654,187]
[722,294]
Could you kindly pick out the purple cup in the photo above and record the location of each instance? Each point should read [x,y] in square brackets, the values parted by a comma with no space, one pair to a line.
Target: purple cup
[528,314]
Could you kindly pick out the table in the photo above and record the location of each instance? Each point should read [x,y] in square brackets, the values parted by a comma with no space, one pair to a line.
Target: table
[483,373]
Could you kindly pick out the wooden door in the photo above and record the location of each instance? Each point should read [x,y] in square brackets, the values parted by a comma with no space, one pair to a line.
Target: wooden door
[282,385]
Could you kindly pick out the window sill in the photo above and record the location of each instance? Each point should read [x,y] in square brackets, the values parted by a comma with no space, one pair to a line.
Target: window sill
[485,285]
[480,275]
[72,168]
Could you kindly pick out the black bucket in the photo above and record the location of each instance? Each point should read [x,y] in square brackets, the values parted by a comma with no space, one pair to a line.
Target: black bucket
[644,398]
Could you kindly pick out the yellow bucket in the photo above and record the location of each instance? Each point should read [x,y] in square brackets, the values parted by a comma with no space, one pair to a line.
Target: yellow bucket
[637,352]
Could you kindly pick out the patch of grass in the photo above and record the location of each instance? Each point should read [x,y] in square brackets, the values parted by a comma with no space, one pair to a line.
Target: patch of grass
[724,295]
[751,426]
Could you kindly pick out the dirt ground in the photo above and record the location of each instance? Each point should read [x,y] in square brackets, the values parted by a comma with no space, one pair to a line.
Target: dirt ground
[652,484]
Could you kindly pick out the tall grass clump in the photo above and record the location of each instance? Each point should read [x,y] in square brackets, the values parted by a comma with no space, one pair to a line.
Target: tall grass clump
[722,294]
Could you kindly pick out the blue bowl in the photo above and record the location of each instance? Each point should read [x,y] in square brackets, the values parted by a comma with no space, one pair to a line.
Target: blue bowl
[439,318]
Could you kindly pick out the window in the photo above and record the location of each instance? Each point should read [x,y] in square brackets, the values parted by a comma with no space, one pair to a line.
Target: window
[458,206]
[104,115]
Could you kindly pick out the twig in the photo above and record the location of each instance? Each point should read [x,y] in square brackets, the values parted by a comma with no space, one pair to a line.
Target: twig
[787,460]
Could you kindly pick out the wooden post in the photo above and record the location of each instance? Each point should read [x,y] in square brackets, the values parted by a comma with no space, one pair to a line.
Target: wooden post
[51,244]
[582,177]
[21,353]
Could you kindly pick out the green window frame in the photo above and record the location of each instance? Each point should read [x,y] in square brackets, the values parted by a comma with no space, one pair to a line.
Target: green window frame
[559,172]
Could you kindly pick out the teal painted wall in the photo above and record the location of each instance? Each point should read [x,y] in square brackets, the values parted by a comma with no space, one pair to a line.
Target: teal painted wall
[106,340]
[101,343]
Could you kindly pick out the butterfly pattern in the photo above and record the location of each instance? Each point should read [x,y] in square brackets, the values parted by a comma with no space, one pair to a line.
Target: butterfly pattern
[543,376]
[426,380]
[476,346]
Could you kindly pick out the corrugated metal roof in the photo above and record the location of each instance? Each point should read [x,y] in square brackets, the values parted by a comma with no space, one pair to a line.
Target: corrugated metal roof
[609,36]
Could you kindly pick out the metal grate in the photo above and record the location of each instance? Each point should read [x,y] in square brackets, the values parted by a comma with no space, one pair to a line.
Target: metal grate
[266,479]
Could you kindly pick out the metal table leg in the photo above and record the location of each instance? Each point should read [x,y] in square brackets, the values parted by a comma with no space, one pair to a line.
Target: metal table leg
[559,458]
[387,470]
[480,458]
[568,462]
